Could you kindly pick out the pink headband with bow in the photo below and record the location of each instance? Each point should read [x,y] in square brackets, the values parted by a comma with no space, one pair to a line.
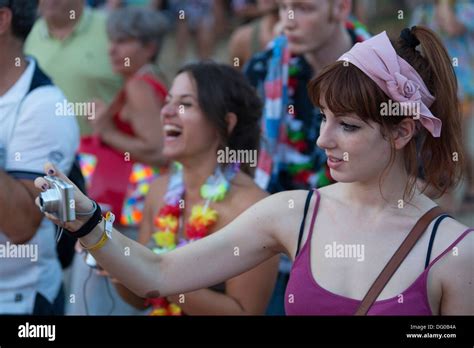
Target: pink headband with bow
[377,59]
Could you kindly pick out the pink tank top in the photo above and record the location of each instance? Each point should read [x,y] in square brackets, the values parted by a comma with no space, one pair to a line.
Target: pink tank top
[304,296]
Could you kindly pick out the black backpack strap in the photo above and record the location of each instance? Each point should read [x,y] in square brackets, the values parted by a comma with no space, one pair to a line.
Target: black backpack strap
[65,246]
[39,79]
[306,207]
[432,237]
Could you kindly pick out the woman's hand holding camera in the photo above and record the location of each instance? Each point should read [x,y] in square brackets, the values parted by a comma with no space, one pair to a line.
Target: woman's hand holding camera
[82,204]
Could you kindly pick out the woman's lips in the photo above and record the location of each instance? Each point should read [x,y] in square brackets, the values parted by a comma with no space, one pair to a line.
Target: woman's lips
[334,162]
[172,132]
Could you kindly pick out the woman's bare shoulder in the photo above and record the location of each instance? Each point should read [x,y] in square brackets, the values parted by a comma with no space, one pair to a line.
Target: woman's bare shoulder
[330,191]
[449,228]
[137,83]
[248,193]
[455,267]
[448,232]
[245,190]
[140,93]
[457,257]
[159,186]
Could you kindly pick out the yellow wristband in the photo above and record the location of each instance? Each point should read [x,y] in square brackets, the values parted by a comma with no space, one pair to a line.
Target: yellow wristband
[103,239]
[99,244]
[108,221]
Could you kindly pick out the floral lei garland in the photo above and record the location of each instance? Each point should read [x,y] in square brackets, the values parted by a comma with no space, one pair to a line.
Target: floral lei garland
[200,222]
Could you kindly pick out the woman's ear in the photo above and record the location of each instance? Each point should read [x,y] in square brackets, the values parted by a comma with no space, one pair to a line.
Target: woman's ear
[5,20]
[403,132]
[231,120]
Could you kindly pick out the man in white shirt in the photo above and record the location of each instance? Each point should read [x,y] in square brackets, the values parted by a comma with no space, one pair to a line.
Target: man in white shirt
[31,133]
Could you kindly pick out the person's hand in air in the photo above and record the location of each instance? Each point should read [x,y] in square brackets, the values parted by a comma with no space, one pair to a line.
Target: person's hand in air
[82,203]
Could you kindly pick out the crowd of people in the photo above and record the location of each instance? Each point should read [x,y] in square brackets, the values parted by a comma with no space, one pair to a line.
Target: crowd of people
[272,182]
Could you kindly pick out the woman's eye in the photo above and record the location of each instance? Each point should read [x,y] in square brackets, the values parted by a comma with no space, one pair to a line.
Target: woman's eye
[349,127]
[323,117]
[186,105]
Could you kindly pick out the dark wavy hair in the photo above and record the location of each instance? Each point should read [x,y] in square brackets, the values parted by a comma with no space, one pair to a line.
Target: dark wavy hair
[23,16]
[222,89]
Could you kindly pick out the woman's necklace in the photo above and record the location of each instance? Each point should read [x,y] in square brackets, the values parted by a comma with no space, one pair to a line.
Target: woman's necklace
[202,218]
[170,220]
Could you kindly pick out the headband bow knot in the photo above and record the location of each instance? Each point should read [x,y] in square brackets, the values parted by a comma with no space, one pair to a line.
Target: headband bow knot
[404,87]
[377,59]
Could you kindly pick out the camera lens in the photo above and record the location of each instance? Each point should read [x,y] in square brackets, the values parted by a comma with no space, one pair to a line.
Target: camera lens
[49,201]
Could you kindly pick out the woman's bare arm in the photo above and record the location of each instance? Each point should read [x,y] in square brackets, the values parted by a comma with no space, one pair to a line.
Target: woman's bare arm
[253,237]
[157,190]
[246,242]
[245,294]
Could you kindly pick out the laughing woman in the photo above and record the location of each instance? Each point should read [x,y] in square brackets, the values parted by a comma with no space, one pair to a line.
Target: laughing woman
[372,208]
[209,108]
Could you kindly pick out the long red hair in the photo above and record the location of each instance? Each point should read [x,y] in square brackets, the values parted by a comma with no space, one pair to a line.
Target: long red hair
[346,89]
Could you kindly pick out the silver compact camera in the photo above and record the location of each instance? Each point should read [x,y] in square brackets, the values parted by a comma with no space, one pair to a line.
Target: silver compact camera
[58,200]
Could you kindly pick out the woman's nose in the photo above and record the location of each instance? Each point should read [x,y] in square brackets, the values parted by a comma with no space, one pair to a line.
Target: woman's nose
[326,139]
[168,110]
